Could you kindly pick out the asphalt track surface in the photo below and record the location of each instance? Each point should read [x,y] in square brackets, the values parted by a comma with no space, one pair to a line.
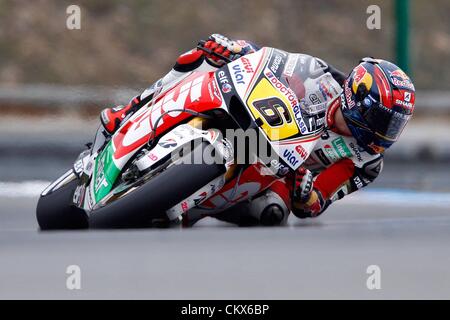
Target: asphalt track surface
[407,234]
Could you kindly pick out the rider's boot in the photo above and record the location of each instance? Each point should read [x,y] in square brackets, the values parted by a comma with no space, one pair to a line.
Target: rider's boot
[111,118]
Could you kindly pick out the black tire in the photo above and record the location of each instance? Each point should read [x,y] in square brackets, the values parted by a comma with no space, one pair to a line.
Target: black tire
[151,200]
[54,211]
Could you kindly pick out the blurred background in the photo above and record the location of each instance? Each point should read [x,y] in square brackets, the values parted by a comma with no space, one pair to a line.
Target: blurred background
[54,81]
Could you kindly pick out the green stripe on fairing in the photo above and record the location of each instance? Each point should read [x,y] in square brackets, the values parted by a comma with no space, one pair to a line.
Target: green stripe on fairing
[110,172]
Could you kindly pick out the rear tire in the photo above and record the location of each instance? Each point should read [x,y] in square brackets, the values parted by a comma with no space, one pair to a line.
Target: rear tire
[56,211]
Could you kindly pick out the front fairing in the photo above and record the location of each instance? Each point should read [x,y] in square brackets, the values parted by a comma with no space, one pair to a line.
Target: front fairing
[285,94]
[198,92]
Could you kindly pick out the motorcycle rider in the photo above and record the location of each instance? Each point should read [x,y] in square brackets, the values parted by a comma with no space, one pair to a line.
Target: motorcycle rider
[376,102]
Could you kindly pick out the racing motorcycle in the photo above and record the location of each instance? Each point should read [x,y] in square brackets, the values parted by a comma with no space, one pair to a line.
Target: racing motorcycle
[140,176]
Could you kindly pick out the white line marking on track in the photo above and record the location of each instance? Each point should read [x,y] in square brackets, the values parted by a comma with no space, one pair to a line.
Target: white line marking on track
[23,189]
[389,197]
[399,197]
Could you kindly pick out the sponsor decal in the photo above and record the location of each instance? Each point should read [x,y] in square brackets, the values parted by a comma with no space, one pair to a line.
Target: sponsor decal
[327,88]
[169,143]
[247,65]
[407,96]
[89,167]
[299,118]
[328,149]
[152,156]
[290,157]
[368,101]
[324,90]
[359,184]
[361,76]
[290,95]
[106,172]
[319,122]
[321,155]
[360,72]
[184,206]
[313,109]
[302,152]
[78,167]
[100,180]
[226,88]
[314,98]
[78,195]
[224,81]
[139,128]
[341,148]
[276,63]
[281,169]
[216,91]
[316,123]
[237,72]
[290,65]
[90,200]
[348,101]
[405,104]
[222,77]
[201,197]
[400,79]
[307,123]
[356,151]
[406,101]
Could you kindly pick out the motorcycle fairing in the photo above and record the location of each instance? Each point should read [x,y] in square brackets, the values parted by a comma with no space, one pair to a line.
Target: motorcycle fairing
[198,92]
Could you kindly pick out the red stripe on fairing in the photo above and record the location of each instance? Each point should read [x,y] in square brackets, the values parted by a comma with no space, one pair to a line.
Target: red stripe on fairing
[256,71]
[384,88]
[201,105]
[301,140]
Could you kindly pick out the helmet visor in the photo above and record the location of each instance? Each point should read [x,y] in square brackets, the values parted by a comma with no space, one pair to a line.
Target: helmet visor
[386,123]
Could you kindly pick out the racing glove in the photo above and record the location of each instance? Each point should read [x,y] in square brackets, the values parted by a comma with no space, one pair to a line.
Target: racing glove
[308,202]
[220,50]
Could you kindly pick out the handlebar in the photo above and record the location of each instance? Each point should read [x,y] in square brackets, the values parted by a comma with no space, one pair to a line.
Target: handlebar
[201,46]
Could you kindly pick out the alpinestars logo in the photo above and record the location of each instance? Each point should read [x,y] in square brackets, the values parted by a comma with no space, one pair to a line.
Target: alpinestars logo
[407,96]
[168,143]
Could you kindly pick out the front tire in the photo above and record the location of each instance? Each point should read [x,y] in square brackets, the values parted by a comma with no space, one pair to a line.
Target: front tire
[151,200]
[55,210]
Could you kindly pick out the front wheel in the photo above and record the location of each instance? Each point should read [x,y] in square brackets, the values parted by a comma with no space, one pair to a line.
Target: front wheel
[137,208]
[56,211]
